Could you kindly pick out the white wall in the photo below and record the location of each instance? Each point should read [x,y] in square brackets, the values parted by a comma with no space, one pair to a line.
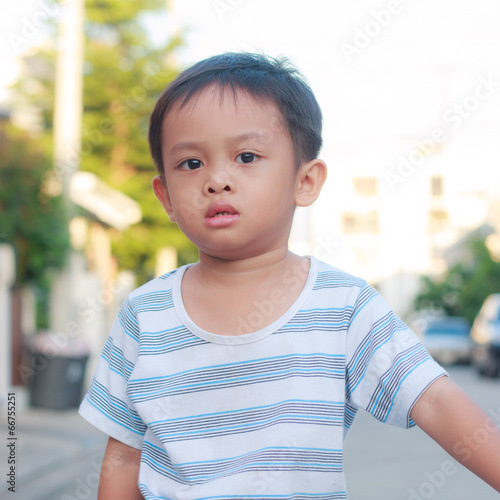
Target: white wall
[7,276]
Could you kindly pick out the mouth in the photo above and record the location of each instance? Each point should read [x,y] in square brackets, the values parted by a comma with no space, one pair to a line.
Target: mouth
[220,209]
[221,213]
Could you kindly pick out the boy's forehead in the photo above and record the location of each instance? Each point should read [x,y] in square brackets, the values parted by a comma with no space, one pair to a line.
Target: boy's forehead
[217,97]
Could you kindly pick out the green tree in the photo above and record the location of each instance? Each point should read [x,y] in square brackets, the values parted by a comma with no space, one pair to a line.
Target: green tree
[32,219]
[462,290]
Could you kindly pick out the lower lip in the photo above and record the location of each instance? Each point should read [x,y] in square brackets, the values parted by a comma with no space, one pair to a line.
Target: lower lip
[221,220]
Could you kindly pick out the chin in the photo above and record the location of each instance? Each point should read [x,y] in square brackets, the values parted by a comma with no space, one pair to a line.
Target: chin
[227,254]
[231,252]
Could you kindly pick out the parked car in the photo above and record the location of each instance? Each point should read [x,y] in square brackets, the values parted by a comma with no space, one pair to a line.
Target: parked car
[420,319]
[486,336]
[447,339]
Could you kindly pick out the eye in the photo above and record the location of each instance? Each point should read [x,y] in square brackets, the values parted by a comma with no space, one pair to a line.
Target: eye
[190,164]
[246,158]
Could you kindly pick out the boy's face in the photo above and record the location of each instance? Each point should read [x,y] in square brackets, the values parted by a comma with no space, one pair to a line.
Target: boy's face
[230,176]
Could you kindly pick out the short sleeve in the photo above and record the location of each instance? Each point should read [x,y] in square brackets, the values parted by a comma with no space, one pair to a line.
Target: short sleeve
[387,367]
[106,404]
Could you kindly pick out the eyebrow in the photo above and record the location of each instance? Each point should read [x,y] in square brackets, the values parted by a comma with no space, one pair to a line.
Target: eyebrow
[246,137]
[195,145]
[184,145]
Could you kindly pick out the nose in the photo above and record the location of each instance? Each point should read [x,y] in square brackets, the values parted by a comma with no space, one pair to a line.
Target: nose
[218,181]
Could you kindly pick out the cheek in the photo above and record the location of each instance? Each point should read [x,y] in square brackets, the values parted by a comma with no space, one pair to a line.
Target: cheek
[188,205]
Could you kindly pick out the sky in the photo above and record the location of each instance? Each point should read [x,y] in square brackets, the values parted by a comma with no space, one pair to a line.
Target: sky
[378,68]
[389,75]
[22,28]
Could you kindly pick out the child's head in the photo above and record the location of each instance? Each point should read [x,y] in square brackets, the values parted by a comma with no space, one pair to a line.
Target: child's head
[263,78]
[235,139]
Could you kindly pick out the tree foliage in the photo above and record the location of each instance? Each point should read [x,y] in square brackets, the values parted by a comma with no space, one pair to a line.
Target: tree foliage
[462,290]
[32,220]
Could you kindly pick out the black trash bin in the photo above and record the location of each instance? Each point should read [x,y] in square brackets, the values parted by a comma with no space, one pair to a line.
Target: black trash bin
[58,371]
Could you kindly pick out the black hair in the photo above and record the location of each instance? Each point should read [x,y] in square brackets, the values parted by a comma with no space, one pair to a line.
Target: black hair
[264,78]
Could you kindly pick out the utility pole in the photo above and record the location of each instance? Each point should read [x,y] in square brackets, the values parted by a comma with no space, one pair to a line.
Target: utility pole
[68,94]
[68,111]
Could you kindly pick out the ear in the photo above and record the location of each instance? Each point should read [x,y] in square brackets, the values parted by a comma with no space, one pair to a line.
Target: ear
[310,180]
[161,192]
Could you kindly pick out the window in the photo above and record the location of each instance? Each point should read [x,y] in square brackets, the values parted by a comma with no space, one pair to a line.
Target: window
[365,186]
[436,185]
[438,220]
[354,222]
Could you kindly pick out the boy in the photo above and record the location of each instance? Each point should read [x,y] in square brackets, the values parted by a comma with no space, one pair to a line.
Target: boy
[253,361]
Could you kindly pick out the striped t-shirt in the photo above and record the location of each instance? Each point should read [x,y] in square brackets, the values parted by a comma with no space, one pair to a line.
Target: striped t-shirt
[259,415]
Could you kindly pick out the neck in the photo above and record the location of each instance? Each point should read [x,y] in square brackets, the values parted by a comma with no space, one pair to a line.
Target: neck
[245,273]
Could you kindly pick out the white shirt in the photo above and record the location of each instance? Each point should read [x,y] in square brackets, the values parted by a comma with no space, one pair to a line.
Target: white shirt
[261,415]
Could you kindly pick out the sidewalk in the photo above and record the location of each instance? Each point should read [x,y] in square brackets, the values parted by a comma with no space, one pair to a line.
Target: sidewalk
[58,456]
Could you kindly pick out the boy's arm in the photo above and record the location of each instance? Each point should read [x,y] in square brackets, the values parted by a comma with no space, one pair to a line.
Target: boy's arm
[454,421]
[120,472]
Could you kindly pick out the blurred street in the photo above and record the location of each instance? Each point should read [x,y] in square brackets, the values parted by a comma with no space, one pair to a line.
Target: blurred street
[59,456]
[387,463]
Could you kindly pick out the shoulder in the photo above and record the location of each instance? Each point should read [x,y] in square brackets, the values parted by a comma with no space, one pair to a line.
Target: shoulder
[341,287]
[155,294]
[328,276]
[161,283]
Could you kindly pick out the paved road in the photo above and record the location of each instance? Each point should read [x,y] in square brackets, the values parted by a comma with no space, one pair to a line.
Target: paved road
[386,463]
[58,457]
